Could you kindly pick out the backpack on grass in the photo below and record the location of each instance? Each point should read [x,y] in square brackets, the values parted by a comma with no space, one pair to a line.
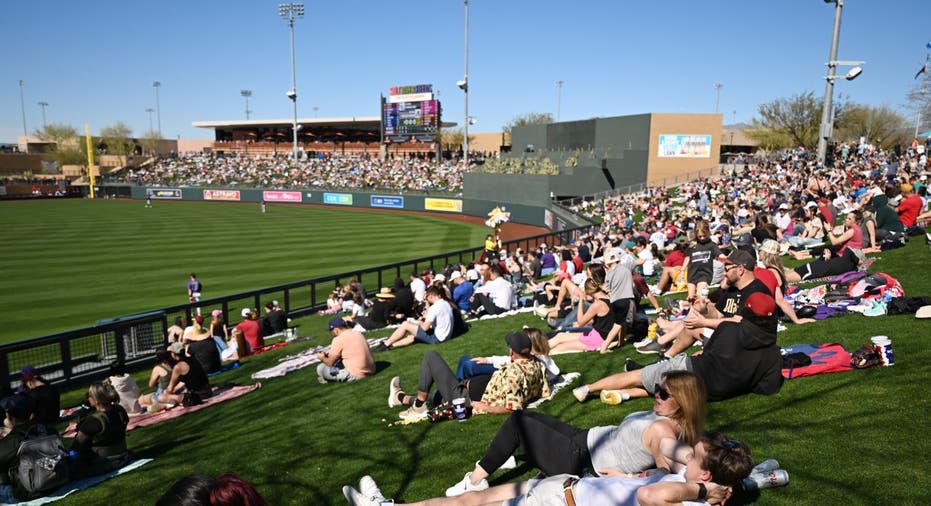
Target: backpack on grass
[41,465]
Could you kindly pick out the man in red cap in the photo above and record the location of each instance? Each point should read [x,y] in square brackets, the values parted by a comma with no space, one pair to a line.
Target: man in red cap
[740,357]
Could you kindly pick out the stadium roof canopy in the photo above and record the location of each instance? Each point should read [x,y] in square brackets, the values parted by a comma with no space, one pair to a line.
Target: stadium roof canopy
[330,129]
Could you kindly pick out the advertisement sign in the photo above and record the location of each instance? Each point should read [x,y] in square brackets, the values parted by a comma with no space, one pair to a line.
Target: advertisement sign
[548,218]
[684,146]
[221,195]
[384,201]
[164,193]
[447,205]
[276,196]
[341,199]
[411,97]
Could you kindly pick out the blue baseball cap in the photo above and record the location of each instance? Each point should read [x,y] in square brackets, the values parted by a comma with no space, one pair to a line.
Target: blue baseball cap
[337,322]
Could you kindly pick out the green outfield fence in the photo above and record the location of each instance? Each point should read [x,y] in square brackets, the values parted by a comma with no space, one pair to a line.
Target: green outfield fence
[128,343]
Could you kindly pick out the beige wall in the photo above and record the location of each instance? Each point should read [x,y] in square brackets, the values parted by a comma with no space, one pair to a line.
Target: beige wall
[490,142]
[668,168]
[193,145]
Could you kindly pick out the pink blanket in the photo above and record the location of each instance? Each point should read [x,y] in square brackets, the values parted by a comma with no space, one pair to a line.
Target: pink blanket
[220,394]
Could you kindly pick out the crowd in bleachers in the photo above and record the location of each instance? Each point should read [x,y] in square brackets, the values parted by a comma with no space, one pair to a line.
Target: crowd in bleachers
[281,172]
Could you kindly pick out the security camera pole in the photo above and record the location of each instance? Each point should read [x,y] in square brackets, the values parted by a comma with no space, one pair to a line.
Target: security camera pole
[827,113]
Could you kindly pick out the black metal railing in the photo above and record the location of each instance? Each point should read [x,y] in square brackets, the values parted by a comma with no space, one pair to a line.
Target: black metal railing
[128,343]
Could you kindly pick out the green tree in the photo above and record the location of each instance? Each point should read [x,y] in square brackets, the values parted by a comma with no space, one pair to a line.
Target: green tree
[149,142]
[451,140]
[881,125]
[792,121]
[66,146]
[118,139]
[532,118]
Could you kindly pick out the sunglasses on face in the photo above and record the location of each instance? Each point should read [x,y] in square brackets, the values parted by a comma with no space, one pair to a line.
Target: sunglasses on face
[662,393]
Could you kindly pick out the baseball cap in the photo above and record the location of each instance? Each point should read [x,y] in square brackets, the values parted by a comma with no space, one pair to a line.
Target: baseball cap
[176,347]
[611,257]
[739,257]
[28,372]
[455,275]
[519,342]
[811,203]
[471,274]
[761,304]
[337,322]
[245,312]
[783,206]
[199,319]
[439,277]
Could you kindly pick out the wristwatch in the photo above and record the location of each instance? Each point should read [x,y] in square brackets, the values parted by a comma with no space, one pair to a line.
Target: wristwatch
[702,492]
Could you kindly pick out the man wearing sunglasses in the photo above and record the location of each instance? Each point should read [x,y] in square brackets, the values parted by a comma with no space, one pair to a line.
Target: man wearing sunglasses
[707,474]
[740,357]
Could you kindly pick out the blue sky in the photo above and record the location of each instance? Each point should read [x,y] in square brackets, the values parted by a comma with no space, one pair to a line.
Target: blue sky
[94,62]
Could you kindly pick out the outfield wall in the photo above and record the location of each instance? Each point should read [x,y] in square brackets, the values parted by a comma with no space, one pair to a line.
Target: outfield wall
[539,215]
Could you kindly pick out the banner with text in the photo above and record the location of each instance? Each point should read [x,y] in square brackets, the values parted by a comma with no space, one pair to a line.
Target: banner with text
[221,195]
[274,196]
[386,201]
[448,205]
[164,193]
[340,199]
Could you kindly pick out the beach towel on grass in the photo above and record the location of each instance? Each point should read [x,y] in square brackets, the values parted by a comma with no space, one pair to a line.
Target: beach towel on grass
[826,357]
[220,394]
[83,483]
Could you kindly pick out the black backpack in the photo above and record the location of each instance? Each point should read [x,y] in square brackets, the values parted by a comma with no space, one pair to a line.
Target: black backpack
[41,464]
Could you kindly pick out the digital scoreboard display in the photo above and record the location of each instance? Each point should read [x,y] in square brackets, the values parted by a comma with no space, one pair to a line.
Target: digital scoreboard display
[419,119]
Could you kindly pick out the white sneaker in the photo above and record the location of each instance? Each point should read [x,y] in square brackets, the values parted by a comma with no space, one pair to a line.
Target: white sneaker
[394,388]
[414,413]
[369,489]
[466,486]
[643,342]
[580,393]
[354,497]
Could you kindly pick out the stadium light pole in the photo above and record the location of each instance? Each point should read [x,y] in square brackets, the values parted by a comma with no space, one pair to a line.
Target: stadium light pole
[717,99]
[150,111]
[290,11]
[43,104]
[464,84]
[22,105]
[559,85]
[158,107]
[246,94]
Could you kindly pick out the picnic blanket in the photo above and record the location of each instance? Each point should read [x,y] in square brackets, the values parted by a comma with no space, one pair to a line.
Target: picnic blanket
[301,360]
[220,394]
[825,358]
[83,483]
[262,349]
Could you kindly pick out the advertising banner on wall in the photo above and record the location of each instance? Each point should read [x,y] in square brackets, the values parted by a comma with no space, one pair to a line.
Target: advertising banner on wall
[164,193]
[548,218]
[232,195]
[684,146]
[341,199]
[276,196]
[447,205]
[386,201]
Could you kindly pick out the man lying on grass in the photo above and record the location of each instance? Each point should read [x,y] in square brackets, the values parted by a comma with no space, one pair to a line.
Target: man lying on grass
[706,474]
[509,388]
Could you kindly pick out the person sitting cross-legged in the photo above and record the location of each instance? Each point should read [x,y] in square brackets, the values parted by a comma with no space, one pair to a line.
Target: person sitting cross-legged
[349,357]
[509,388]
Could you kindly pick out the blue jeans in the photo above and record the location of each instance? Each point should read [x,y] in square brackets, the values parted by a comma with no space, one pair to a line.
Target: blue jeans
[468,368]
[426,337]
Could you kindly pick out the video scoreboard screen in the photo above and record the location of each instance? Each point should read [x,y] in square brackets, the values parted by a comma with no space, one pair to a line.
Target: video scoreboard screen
[411,118]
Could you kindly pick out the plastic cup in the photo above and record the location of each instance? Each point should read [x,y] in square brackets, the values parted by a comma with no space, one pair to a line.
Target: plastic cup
[459,409]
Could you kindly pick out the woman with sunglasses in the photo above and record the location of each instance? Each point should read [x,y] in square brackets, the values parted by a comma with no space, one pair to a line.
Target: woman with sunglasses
[632,446]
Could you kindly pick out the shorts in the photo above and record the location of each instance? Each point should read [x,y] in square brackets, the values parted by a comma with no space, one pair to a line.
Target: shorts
[592,340]
[542,492]
[652,374]
[426,337]
[328,373]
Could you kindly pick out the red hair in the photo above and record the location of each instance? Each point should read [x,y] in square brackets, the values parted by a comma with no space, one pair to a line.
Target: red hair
[231,490]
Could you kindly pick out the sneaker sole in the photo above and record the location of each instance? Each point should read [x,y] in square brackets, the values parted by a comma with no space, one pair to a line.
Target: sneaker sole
[393,401]
[647,351]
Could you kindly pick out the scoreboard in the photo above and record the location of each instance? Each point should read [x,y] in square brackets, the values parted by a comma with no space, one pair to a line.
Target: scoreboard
[412,118]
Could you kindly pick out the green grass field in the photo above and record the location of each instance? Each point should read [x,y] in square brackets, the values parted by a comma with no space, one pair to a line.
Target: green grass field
[68,263]
[858,437]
